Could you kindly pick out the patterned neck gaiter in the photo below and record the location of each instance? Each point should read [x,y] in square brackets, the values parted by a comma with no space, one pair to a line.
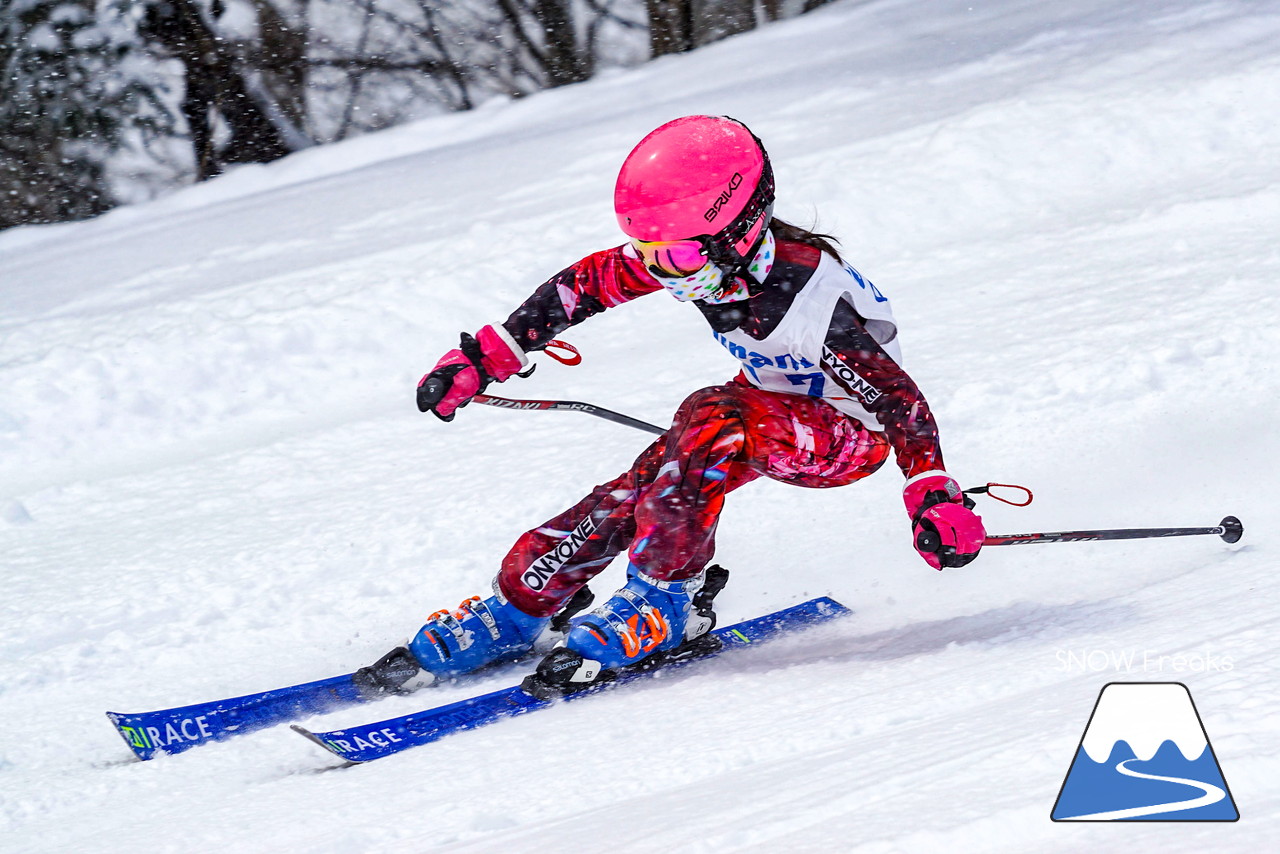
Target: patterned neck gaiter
[708,283]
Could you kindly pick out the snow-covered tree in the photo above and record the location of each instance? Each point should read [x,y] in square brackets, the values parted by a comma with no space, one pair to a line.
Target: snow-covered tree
[70,97]
[220,89]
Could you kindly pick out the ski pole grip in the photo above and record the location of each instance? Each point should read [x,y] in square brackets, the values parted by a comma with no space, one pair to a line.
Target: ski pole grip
[928,541]
[430,393]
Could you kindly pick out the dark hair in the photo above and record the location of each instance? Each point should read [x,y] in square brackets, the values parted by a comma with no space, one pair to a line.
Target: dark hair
[784,230]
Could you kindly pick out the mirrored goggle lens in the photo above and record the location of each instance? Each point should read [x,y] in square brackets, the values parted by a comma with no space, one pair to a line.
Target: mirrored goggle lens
[672,259]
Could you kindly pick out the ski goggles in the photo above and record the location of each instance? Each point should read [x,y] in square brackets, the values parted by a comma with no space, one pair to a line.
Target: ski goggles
[672,259]
[676,259]
[712,284]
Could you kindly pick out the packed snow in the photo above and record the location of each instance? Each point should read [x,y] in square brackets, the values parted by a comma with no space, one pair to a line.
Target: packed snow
[213,478]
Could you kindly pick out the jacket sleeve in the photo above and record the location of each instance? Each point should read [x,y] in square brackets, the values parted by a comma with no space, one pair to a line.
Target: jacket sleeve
[599,281]
[868,374]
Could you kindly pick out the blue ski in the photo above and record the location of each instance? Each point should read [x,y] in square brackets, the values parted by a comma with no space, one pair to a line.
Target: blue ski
[185,727]
[376,740]
[168,731]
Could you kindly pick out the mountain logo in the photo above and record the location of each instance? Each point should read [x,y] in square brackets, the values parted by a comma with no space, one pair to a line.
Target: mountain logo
[1145,756]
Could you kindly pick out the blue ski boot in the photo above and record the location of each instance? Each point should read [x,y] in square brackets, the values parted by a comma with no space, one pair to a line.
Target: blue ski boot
[480,632]
[645,624]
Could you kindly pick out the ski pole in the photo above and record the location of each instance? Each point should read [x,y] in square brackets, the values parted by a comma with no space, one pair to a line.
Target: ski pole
[1230,529]
[431,391]
[572,406]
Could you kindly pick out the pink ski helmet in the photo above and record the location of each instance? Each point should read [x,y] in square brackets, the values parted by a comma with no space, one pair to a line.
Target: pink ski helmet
[703,178]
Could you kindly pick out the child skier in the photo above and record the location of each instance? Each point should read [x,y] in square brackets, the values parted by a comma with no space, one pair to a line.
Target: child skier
[819,402]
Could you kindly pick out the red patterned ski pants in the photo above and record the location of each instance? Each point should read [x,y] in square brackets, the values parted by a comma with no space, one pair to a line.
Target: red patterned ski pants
[666,507]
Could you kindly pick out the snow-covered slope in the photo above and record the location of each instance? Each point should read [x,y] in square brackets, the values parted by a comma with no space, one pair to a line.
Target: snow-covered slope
[213,479]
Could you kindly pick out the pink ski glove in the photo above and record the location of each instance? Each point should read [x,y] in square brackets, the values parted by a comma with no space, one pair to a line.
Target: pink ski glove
[947,533]
[465,372]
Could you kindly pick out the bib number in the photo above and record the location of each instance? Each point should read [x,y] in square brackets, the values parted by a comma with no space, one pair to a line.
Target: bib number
[817,382]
